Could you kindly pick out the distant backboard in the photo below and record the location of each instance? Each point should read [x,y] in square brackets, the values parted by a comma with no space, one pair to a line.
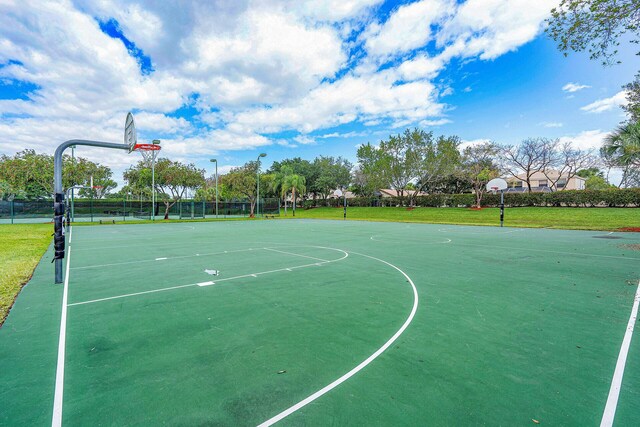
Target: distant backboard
[337,193]
[497,184]
[130,136]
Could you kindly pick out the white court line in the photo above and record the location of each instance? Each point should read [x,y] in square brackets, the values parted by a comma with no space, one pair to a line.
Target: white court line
[131,295]
[280,269]
[157,259]
[362,365]
[59,387]
[548,251]
[291,253]
[616,382]
[203,284]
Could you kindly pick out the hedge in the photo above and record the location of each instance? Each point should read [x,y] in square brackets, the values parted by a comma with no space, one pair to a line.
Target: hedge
[629,197]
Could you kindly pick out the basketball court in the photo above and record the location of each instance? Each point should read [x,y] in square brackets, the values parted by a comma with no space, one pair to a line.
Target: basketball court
[304,322]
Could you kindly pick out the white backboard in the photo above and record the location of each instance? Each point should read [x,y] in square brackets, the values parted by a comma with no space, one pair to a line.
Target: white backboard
[130,135]
[497,184]
[337,193]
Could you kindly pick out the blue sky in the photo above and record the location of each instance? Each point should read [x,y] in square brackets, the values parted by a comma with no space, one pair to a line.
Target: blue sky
[233,79]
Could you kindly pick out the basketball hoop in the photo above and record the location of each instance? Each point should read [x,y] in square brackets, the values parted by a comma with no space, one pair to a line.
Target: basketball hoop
[149,151]
[495,185]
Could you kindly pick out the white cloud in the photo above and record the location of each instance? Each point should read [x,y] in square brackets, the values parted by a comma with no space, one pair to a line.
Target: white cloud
[333,10]
[421,67]
[551,124]
[574,87]
[409,27]
[606,104]
[343,135]
[471,142]
[434,123]
[490,28]
[586,140]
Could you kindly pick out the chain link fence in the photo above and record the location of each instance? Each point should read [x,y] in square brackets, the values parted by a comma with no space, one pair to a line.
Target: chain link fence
[88,210]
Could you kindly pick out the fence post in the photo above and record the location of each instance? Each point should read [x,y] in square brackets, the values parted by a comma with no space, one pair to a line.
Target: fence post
[11,210]
[91,206]
[124,209]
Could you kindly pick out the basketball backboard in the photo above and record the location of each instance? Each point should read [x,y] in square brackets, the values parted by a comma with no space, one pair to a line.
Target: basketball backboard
[130,135]
[497,184]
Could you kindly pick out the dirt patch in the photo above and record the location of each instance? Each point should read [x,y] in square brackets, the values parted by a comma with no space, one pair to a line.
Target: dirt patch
[632,229]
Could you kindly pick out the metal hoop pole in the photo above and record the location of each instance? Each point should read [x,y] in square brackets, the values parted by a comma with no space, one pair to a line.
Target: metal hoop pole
[58,206]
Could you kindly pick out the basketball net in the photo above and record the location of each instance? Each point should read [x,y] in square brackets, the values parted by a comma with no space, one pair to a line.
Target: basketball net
[149,152]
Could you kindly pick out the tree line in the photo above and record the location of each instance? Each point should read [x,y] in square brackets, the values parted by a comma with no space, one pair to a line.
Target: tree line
[412,163]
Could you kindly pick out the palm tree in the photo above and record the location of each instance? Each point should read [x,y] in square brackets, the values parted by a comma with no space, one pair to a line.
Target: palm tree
[278,184]
[295,182]
[622,147]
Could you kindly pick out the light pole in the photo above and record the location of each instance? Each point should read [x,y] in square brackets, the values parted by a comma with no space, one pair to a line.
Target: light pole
[153,181]
[216,162]
[258,179]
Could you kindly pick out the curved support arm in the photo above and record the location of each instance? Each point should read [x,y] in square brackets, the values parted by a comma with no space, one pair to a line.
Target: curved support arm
[58,205]
[57,157]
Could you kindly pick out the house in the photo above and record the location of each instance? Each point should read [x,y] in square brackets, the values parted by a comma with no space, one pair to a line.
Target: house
[540,182]
[347,194]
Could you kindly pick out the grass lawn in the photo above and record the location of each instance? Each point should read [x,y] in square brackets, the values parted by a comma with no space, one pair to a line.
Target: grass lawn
[610,219]
[21,249]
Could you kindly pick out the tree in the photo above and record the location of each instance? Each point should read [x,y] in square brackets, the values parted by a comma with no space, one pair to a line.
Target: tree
[622,149]
[30,174]
[438,160]
[527,158]
[396,161]
[479,167]
[83,171]
[594,25]
[363,184]
[372,173]
[567,161]
[295,183]
[334,172]
[242,183]
[597,182]
[172,179]
[301,167]
[594,179]
[278,184]
[633,99]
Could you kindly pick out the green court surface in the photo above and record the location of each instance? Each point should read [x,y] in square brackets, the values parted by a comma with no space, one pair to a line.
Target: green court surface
[312,322]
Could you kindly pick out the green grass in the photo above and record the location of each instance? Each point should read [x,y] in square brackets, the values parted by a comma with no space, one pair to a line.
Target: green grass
[21,249]
[532,217]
